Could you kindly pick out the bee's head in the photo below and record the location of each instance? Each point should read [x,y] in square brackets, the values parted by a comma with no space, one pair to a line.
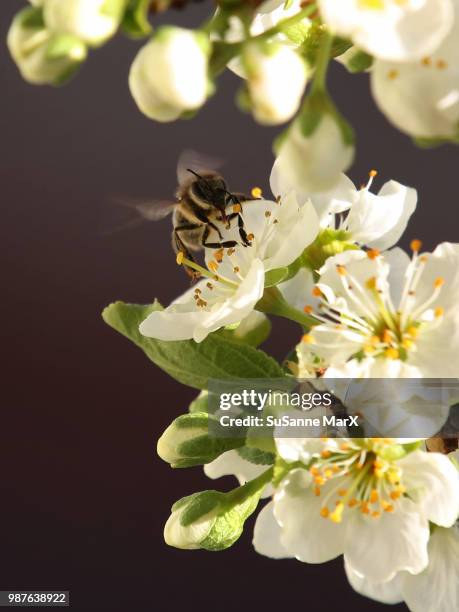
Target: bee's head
[211,190]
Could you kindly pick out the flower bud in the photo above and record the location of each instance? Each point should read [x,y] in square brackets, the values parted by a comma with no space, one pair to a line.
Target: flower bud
[277,77]
[313,162]
[192,520]
[41,56]
[169,75]
[187,441]
[93,21]
[212,520]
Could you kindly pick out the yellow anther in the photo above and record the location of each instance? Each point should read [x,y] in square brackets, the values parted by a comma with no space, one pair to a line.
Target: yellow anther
[395,494]
[439,282]
[218,255]
[250,237]
[325,453]
[324,512]
[237,208]
[376,514]
[344,446]
[391,353]
[373,173]
[180,257]
[314,471]
[364,509]
[308,309]
[308,339]
[426,61]
[337,515]
[342,492]
[341,270]
[352,502]
[393,476]
[441,64]
[316,292]
[317,491]
[256,193]
[407,343]
[373,253]
[386,506]
[413,331]
[319,480]
[439,311]
[416,245]
[386,336]
[328,473]
[371,283]
[393,74]
[423,259]
[374,496]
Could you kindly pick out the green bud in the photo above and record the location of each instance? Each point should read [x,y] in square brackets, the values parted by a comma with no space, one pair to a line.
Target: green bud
[187,442]
[212,520]
[43,57]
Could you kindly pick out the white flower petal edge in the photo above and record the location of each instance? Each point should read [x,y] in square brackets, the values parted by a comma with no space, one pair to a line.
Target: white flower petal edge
[397,31]
[267,534]
[422,98]
[354,501]
[232,464]
[185,319]
[436,589]
[399,317]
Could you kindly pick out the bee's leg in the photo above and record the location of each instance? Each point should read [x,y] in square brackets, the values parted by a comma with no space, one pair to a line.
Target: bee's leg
[227,244]
[179,247]
[240,224]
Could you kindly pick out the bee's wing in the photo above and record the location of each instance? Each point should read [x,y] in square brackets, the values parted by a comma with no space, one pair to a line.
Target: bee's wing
[138,211]
[195,161]
[150,210]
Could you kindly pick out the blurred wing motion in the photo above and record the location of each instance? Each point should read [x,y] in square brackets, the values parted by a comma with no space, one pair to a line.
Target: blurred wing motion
[139,211]
[197,162]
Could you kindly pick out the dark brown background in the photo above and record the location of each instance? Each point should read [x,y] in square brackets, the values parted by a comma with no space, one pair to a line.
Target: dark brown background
[83,495]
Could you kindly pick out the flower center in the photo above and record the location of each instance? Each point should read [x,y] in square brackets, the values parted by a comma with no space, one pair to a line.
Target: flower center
[381,329]
[360,478]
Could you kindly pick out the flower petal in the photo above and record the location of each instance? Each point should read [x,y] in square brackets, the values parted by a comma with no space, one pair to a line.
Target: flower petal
[267,535]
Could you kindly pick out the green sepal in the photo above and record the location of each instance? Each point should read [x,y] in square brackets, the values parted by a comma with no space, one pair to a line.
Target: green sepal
[135,22]
[201,448]
[188,362]
[200,403]
[359,62]
[253,330]
[31,18]
[256,456]
[394,452]
[328,243]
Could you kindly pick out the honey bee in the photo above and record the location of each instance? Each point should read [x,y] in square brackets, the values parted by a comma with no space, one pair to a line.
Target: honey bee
[203,206]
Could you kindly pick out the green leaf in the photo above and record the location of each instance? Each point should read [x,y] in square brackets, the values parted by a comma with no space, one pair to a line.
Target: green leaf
[253,330]
[135,21]
[190,363]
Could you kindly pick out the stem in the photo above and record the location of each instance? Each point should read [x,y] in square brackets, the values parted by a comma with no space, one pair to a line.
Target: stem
[323,58]
[250,488]
[227,51]
[274,303]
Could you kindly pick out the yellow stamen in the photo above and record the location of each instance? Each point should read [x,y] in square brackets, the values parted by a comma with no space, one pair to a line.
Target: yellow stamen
[324,512]
[308,309]
[308,339]
[316,292]
[392,353]
[373,253]
[180,257]
[374,496]
[341,270]
[416,246]
[439,311]
[237,208]
[256,193]
[439,282]
[337,515]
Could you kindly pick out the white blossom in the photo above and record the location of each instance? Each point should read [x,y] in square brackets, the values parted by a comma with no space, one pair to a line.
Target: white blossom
[314,163]
[42,56]
[357,501]
[169,74]
[389,316]
[421,98]
[93,21]
[278,231]
[276,79]
[389,29]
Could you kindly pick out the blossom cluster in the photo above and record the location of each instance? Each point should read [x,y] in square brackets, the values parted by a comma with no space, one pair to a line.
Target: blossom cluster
[281,50]
[368,310]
